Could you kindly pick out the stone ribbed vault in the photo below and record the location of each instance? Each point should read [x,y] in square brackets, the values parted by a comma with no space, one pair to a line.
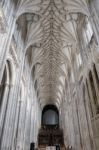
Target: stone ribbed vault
[53,34]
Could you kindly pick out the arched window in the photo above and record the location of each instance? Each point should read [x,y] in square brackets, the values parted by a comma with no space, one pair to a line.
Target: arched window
[4,94]
[50,115]
[33,72]
[2,86]
[94,92]
[6,81]
[87,32]
[96,75]
[35,85]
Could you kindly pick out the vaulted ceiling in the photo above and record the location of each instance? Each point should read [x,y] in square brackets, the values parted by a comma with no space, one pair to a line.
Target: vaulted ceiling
[52,38]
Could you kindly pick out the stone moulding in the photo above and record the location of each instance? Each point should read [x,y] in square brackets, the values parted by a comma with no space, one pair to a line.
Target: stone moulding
[14,55]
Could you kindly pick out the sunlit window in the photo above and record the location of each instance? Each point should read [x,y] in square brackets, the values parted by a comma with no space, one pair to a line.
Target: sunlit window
[72,77]
[79,60]
[87,32]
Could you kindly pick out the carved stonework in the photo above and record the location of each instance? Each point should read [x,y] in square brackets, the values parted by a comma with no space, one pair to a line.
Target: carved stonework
[3,23]
[14,55]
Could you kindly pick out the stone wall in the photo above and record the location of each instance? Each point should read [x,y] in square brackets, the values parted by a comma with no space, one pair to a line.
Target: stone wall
[19,108]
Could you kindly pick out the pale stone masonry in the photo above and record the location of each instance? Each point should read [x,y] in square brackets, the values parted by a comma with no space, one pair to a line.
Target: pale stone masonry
[49,54]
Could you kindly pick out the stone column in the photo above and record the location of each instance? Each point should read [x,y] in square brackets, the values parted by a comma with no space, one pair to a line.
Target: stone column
[14,115]
[11,112]
[94,109]
[76,123]
[35,121]
[32,124]
[85,123]
[27,126]
[16,126]
[89,117]
[6,125]
[13,109]
[19,129]
[5,49]
[77,104]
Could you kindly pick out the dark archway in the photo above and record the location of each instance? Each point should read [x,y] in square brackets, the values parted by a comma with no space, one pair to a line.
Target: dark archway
[5,88]
[50,116]
[50,133]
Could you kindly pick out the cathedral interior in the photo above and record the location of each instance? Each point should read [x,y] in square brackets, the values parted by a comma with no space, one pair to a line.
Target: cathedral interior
[49,74]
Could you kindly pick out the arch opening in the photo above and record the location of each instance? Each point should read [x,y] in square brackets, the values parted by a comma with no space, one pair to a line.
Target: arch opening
[50,133]
[50,116]
[6,82]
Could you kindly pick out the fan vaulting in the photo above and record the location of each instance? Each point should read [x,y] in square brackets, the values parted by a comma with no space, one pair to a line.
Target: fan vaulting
[52,37]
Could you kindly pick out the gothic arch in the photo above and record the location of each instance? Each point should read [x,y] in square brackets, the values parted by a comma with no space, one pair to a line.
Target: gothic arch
[27,6]
[11,70]
[5,87]
[8,75]
[50,110]
[96,75]
[92,84]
